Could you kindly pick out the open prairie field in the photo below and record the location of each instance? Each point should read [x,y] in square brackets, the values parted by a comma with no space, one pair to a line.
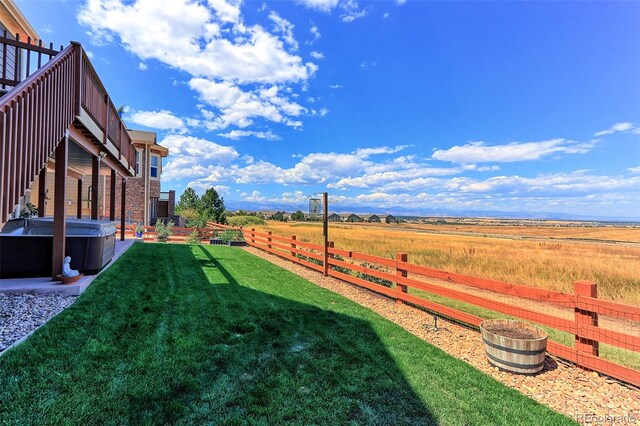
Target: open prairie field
[554,260]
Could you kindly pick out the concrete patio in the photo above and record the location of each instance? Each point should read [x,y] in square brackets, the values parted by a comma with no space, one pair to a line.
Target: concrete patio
[44,285]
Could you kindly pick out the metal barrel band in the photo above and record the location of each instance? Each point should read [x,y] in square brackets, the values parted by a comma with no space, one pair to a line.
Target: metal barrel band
[513,351]
[515,364]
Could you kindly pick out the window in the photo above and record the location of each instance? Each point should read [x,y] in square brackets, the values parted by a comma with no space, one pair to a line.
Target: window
[154,166]
[137,163]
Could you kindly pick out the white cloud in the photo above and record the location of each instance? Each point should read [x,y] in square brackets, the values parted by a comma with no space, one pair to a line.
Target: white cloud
[634,169]
[351,11]
[142,66]
[316,55]
[192,157]
[162,120]
[315,32]
[285,28]
[321,5]
[401,2]
[385,15]
[238,107]
[336,86]
[618,127]
[255,196]
[479,152]
[237,134]
[209,41]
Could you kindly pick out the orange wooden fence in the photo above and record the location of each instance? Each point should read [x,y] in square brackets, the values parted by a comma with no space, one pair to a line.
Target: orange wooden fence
[402,279]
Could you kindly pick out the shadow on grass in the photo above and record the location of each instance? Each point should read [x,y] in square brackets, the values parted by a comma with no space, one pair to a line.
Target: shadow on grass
[172,334]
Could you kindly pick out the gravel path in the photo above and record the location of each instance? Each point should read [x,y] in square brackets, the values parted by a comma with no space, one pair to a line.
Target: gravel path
[561,386]
[21,314]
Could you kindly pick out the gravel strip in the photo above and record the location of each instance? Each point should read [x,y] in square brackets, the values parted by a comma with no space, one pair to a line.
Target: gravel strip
[21,314]
[561,386]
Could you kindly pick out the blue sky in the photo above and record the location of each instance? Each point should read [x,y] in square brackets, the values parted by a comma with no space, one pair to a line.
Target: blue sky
[522,108]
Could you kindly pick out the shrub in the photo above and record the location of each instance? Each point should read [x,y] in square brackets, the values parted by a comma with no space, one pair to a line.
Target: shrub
[340,269]
[193,238]
[164,231]
[245,220]
[371,278]
[231,235]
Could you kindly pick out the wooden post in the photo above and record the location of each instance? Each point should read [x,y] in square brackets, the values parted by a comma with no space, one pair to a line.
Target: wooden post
[95,175]
[123,206]
[400,288]
[253,236]
[328,256]
[60,207]
[42,192]
[112,197]
[325,232]
[293,246]
[585,317]
[269,240]
[79,206]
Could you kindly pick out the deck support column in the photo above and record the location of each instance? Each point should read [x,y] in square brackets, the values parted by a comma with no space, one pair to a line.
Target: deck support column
[79,207]
[42,192]
[60,206]
[95,181]
[122,207]
[112,197]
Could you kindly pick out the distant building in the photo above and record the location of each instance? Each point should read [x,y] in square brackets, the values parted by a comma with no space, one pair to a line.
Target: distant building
[269,214]
[387,218]
[333,217]
[371,218]
[350,217]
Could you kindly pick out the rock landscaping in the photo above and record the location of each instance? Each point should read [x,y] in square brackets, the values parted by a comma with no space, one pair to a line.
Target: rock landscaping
[21,314]
[585,396]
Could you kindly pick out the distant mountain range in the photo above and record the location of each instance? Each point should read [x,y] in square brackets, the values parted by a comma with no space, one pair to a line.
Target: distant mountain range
[406,212]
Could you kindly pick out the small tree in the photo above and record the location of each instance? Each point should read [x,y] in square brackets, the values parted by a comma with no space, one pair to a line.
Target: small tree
[298,215]
[278,216]
[188,200]
[212,206]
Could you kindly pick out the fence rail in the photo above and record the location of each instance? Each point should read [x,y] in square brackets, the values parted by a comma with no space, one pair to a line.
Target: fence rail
[395,277]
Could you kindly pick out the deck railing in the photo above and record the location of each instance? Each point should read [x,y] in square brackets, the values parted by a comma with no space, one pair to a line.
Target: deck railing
[35,114]
[19,59]
[437,291]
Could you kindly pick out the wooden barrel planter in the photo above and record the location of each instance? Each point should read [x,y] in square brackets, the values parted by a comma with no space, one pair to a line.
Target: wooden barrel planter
[514,346]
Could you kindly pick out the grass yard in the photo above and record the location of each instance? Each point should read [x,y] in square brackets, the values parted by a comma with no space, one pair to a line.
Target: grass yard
[182,334]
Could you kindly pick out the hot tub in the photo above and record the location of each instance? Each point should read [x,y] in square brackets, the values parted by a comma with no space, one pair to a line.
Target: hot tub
[26,246]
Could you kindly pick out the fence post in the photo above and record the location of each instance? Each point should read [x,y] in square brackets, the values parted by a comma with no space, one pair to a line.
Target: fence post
[253,236]
[327,257]
[400,288]
[269,240]
[585,317]
[293,246]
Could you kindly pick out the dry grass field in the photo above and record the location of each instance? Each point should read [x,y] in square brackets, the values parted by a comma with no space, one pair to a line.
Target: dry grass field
[553,260]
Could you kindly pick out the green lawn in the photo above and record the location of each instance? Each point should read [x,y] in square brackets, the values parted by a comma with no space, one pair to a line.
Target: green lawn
[178,334]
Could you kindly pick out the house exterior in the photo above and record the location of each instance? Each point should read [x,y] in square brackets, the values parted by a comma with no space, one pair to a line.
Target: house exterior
[387,218]
[16,26]
[147,204]
[333,217]
[371,218]
[350,217]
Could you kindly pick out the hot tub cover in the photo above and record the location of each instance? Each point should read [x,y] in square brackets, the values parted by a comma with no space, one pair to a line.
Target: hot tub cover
[44,226]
